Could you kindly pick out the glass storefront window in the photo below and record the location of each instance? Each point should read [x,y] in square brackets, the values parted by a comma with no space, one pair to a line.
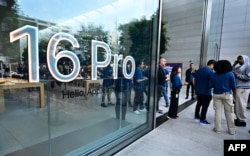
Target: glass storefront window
[62,95]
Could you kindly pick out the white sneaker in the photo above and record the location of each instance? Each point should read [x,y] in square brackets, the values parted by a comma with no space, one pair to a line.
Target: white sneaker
[143,110]
[196,119]
[137,112]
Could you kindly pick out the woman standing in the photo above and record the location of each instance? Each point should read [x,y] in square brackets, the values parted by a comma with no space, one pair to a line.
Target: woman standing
[176,85]
[223,84]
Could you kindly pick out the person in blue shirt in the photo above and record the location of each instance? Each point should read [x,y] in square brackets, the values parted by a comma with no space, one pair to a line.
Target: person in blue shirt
[138,86]
[189,79]
[107,75]
[203,92]
[176,86]
[223,84]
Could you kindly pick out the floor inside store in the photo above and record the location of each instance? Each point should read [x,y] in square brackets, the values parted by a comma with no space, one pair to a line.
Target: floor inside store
[24,125]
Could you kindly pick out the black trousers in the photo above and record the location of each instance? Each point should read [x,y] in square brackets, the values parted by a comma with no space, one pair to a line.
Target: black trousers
[202,105]
[159,92]
[138,99]
[190,84]
[121,103]
[174,102]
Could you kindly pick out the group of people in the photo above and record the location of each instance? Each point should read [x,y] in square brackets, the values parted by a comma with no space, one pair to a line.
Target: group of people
[122,88]
[229,87]
[227,84]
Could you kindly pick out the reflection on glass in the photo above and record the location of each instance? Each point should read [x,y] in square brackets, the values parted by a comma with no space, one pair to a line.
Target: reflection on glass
[73,109]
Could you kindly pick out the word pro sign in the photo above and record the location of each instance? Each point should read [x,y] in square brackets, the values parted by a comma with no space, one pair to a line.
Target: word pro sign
[52,57]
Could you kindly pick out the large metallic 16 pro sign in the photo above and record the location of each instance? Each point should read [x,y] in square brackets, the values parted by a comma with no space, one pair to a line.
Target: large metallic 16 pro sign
[52,57]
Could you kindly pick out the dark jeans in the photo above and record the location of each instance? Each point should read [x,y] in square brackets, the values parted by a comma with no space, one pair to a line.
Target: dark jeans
[121,103]
[190,84]
[174,102]
[159,93]
[129,95]
[201,107]
[138,98]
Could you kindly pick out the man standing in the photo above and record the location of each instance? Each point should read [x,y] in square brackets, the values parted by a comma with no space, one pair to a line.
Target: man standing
[203,92]
[241,68]
[189,79]
[139,85]
[161,82]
